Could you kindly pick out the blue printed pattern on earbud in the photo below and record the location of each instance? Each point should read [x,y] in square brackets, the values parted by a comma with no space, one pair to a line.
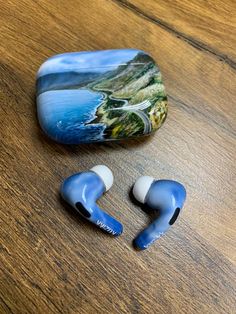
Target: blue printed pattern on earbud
[81,191]
[167,197]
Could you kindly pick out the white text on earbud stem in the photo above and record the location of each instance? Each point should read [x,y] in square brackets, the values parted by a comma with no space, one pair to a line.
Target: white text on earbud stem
[154,239]
[105,227]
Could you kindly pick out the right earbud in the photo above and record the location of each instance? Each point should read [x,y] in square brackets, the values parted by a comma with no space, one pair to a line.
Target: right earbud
[165,196]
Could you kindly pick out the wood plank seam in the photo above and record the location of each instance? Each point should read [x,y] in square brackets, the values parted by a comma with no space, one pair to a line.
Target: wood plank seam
[191,41]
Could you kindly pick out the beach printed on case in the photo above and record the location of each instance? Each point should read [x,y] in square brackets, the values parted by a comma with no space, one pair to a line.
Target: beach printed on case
[96,96]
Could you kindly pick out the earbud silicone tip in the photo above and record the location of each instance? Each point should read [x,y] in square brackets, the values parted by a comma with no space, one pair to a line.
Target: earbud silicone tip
[105,174]
[141,188]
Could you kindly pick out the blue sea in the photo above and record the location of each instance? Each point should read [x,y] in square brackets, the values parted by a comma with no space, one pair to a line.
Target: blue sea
[63,115]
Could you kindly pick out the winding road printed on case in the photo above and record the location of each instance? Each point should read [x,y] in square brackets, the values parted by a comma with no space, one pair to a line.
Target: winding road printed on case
[96,96]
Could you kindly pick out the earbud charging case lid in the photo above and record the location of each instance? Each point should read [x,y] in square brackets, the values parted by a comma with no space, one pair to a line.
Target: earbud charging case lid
[96,96]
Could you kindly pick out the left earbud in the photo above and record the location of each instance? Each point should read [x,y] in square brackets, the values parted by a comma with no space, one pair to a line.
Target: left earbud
[83,189]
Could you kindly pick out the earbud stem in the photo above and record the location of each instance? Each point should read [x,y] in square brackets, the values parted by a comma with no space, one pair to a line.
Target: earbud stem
[106,222]
[153,232]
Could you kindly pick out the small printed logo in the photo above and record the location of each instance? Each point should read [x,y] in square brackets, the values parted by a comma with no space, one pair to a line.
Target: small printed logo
[105,227]
[154,239]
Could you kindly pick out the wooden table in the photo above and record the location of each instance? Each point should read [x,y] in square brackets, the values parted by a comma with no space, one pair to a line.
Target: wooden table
[51,260]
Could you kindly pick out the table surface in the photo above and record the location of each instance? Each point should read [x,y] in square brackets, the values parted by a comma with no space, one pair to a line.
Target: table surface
[51,260]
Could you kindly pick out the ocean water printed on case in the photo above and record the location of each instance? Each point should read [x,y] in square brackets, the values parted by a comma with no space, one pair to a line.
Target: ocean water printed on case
[103,95]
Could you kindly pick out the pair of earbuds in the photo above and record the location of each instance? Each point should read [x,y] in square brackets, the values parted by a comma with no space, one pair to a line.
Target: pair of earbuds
[167,197]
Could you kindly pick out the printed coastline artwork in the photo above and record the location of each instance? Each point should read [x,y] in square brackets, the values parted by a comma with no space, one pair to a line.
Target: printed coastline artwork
[95,96]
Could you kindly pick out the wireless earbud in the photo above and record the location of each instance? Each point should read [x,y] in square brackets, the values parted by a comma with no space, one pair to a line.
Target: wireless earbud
[165,196]
[83,189]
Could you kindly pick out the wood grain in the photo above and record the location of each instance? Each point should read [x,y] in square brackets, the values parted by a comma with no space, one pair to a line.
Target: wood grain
[210,27]
[51,260]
